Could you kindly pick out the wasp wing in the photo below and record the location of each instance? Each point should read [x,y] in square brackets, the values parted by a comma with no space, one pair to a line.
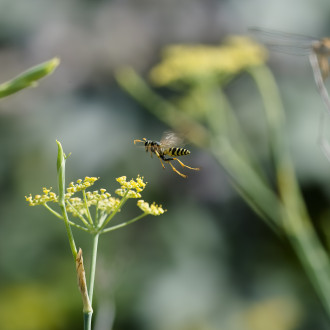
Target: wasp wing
[289,43]
[170,139]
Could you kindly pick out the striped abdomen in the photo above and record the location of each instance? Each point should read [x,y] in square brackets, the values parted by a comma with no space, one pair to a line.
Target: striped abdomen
[178,151]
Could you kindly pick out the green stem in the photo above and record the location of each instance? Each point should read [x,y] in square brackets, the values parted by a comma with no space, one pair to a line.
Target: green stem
[69,231]
[249,184]
[79,227]
[61,187]
[93,267]
[53,211]
[87,208]
[61,217]
[96,217]
[123,224]
[88,320]
[225,122]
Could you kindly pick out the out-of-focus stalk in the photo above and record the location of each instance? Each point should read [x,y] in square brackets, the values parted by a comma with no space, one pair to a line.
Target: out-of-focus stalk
[28,78]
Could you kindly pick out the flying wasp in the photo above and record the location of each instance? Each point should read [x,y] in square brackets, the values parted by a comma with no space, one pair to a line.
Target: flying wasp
[167,151]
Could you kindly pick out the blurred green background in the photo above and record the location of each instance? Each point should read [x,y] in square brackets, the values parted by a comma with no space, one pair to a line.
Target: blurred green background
[209,262]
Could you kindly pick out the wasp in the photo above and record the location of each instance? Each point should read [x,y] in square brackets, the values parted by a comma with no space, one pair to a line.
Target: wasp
[167,151]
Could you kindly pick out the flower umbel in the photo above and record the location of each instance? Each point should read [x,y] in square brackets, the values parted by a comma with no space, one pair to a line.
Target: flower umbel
[193,62]
[106,206]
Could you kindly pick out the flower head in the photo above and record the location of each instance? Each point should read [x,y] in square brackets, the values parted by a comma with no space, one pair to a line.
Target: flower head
[105,205]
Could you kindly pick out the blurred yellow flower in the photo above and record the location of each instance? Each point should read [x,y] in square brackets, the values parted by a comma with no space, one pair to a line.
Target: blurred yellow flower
[193,62]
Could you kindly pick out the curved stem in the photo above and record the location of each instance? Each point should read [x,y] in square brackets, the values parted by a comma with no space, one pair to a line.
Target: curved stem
[296,221]
[53,211]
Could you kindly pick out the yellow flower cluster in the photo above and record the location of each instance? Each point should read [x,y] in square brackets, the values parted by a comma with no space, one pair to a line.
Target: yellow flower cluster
[152,209]
[130,189]
[192,62]
[102,200]
[48,196]
[80,185]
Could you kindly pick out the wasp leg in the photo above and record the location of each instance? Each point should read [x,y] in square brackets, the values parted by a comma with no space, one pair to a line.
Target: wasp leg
[168,160]
[175,170]
[183,165]
[160,158]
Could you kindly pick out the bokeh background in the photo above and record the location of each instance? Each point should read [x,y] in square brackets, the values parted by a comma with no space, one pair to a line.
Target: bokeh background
[209,262]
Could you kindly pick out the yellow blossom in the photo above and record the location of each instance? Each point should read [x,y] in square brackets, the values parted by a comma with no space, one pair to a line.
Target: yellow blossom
[132,188]
[80,185]
[152,209]
[48,196]
[122,180]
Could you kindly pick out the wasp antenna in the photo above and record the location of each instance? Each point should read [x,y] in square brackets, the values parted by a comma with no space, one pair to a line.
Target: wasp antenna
[139,141]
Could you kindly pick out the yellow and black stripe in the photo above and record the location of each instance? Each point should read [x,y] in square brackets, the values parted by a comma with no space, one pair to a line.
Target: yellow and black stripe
[178,151]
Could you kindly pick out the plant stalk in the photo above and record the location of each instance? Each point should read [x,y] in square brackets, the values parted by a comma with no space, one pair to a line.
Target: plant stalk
[93,267]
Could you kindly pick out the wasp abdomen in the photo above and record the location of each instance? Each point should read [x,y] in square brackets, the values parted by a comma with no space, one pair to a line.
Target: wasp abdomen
[178,151]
